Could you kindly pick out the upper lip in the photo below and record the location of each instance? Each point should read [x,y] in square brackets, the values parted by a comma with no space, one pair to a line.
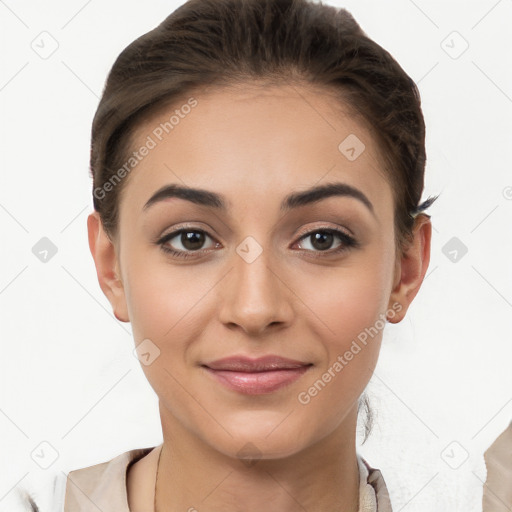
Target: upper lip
[261,364]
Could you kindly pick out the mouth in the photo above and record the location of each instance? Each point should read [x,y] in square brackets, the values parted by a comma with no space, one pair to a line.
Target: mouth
[256,376]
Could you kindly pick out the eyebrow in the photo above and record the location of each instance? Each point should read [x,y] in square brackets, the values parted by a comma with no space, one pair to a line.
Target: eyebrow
[295,200]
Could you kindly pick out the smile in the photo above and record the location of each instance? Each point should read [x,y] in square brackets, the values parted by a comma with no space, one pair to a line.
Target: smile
[256,376]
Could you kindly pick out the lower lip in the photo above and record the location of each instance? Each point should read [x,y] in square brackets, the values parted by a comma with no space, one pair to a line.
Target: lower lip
[257,383]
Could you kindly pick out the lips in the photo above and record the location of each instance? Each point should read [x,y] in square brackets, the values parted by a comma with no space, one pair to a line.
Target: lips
[262,364]
[256,376]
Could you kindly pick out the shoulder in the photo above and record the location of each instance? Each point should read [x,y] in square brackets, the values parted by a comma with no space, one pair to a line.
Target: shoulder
[101,486]
[85,489]
[373,493]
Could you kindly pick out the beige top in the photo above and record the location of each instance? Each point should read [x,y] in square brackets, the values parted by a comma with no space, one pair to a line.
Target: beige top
[103,486]
[497,494]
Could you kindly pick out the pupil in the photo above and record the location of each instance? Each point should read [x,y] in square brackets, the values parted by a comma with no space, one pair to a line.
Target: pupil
[322,240]
[192,240]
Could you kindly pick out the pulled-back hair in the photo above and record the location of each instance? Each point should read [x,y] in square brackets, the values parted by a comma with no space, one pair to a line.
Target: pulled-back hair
[208,43]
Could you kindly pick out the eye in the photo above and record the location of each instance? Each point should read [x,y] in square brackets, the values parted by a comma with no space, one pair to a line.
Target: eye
[321,240]
[190,240]
[183,243]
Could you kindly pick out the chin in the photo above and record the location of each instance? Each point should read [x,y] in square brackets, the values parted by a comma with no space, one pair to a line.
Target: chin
[256,435]
[251,450]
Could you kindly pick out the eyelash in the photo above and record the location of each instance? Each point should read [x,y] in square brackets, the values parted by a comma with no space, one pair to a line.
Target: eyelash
[348,242]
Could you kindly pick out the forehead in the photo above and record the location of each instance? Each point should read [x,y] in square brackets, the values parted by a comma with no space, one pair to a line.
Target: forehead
[266,139]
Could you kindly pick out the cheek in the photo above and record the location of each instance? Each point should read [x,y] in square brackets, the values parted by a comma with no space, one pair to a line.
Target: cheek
[352,320]
[167,307]
[349,315]
[355,319]
[162,299]
[347,300]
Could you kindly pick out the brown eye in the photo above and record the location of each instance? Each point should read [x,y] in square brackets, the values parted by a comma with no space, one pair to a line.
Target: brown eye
[192,240]
[322,240]
[184,242]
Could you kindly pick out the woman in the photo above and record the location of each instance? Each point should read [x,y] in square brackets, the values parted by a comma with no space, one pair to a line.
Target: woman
[258,169]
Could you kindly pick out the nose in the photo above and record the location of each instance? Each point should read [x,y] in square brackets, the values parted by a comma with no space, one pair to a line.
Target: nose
[255,296]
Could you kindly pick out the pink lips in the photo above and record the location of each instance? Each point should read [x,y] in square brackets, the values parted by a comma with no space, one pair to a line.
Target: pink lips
[256,376]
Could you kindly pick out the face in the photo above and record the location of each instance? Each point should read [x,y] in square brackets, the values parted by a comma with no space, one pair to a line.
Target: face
[257,267]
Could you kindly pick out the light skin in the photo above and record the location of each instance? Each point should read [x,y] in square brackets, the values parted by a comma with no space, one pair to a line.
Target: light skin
[297,299]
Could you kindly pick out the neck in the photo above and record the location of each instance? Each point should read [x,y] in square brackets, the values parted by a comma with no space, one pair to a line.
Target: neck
[193,476]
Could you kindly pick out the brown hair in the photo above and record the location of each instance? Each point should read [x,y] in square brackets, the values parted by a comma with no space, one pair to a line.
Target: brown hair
[215,43]
[205,43]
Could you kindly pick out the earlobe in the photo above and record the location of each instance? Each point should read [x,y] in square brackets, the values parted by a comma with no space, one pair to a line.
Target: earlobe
[411,267]
[107,266]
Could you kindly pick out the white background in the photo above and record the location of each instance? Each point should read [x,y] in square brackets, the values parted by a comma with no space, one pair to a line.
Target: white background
[68,374]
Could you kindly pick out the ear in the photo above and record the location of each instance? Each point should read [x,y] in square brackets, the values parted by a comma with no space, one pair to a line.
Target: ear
[411,267]
[107,266]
